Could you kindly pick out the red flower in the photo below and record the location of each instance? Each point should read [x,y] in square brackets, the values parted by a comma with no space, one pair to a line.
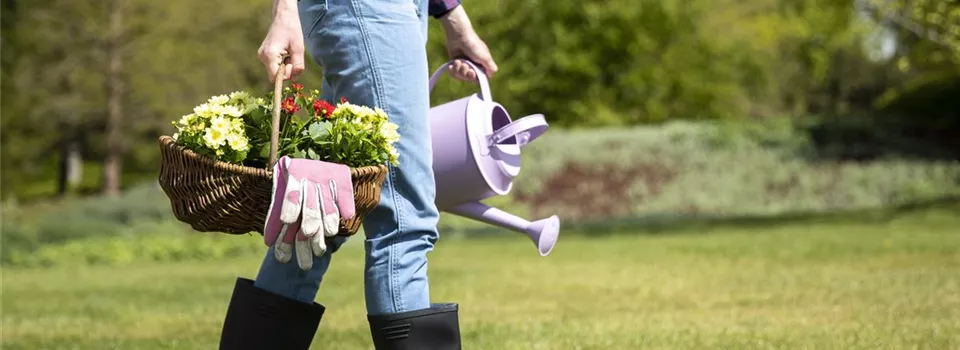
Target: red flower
[290,105]
[323,109]
[297,87]
[343,99]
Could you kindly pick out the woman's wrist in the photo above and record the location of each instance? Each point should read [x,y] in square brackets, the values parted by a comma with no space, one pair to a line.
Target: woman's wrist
[456,23]
[285,10]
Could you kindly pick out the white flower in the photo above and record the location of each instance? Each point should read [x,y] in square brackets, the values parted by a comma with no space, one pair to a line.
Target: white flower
[176,136]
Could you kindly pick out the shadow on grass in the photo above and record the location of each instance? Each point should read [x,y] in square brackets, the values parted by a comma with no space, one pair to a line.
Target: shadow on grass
[691,224]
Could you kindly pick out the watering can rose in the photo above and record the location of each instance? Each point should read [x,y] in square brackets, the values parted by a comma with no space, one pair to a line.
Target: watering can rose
[235,128]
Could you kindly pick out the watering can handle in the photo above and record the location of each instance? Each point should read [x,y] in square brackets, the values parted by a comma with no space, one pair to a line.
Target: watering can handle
[481,77]
[525,129]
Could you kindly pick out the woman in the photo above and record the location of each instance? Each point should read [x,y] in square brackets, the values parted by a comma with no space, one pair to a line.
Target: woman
[373,53]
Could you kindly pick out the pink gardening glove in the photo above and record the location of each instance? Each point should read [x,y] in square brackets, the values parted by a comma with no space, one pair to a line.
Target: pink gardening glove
[309,199]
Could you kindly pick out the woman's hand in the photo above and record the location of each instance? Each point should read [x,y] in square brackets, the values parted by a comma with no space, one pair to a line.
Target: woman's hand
[464,43]
[284,38]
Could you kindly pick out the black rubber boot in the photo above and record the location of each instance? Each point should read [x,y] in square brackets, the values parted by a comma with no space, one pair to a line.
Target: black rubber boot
[258,319]
[434,328]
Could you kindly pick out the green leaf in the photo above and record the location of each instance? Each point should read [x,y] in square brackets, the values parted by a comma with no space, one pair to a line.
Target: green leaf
[298,154]
[264,151]
[318,131]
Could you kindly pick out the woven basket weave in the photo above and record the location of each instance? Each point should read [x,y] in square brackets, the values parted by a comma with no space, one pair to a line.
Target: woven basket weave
[215,196]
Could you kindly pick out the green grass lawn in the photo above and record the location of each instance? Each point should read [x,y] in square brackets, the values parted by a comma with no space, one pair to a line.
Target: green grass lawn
[804,285]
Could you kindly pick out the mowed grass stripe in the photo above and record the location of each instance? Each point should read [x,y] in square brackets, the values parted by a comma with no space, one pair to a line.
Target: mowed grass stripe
[851,285]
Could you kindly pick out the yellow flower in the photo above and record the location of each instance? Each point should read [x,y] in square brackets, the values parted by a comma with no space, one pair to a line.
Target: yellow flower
[219,110]
[262,102]
[381,114]
[221,124]
[366,112]
[214,138]
[343,110]
[246,108]
[394,156]
[239,96]
[238,142]
[389,132]
[359,121]
[219,100]
[187,119]
[204,111]
[232,111]
[236,124]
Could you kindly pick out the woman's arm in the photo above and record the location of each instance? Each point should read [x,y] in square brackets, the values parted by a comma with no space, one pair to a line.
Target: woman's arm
[462,41]
[284,38]
[438,8]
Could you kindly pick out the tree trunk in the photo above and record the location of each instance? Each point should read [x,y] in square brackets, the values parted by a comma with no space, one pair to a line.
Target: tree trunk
[112,164]
[70,169]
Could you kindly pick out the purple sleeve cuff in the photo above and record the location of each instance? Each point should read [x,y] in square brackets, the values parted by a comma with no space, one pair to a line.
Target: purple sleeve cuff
[438,8]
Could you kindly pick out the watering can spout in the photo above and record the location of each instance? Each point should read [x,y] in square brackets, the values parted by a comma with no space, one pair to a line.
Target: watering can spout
[542,232]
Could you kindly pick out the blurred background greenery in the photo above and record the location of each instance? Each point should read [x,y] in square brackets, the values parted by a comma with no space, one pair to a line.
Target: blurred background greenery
[665,114]
[659,107]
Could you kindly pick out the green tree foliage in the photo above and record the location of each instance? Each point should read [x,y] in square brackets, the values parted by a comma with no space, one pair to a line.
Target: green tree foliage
[929,28]
[10,44]
[589,63]
[174,54]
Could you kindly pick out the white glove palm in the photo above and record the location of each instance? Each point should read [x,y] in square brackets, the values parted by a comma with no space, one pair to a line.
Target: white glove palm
[312,196]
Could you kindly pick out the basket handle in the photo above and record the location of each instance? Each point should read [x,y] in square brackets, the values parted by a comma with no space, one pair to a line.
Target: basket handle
[275,123]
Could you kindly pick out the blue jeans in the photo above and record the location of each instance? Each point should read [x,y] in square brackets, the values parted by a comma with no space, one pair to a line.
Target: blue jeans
[373,52]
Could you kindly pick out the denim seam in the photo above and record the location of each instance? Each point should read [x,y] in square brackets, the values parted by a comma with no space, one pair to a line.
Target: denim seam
[316,21]
[378,95]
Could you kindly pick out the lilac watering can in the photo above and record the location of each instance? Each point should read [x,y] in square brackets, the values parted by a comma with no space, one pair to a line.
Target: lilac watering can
[476,155]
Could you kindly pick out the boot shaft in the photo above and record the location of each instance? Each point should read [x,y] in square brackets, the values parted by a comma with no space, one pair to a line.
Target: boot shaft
[434,328]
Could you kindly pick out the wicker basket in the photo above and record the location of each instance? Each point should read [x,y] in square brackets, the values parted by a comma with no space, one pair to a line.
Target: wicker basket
[215,196]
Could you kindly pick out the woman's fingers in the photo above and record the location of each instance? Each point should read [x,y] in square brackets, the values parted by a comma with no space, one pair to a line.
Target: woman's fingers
[461,70]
